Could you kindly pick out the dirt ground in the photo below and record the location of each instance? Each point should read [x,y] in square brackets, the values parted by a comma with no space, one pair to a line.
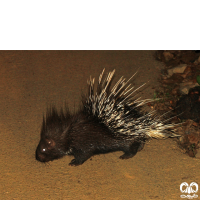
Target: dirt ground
[32,80]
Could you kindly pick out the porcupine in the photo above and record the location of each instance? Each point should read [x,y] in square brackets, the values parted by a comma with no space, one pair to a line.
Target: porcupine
[111,119]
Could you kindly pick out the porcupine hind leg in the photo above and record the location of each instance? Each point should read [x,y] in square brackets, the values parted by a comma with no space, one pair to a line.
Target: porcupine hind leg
[132,150]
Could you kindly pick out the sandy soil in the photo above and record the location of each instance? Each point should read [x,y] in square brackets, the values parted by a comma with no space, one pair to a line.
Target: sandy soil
[32,80]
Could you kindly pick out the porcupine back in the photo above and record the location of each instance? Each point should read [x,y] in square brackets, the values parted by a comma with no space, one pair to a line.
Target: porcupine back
[121,112]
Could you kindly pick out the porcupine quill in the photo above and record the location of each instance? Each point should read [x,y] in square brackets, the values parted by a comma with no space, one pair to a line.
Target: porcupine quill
[113,113]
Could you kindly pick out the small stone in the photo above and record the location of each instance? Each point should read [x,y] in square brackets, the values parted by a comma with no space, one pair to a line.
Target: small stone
[168,56]
[180,69]
[192,153]
[177,70]
[187,72]
[185,87]
[170,72]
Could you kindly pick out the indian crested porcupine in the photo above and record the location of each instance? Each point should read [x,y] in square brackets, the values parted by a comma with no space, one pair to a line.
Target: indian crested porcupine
[111,119]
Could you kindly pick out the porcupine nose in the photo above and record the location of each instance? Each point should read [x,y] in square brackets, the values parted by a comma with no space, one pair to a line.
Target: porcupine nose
[40,156]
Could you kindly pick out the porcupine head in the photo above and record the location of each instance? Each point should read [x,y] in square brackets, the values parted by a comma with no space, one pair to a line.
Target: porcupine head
[53,138]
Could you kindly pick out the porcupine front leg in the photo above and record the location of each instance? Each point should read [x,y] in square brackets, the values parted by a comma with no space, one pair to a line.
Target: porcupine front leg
[80,157]
[132,150]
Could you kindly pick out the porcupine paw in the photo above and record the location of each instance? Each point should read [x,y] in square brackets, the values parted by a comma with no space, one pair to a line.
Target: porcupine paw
[127,156]
[132,150]
[74,162]
[141,147]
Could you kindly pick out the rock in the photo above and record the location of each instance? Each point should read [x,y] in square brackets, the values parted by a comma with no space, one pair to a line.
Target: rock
[186,72]
[168,56]
[192,153]
[179,69]
[185,87]
[170,72]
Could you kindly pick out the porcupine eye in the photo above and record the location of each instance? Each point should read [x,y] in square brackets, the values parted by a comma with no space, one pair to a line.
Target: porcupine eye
[50,144]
